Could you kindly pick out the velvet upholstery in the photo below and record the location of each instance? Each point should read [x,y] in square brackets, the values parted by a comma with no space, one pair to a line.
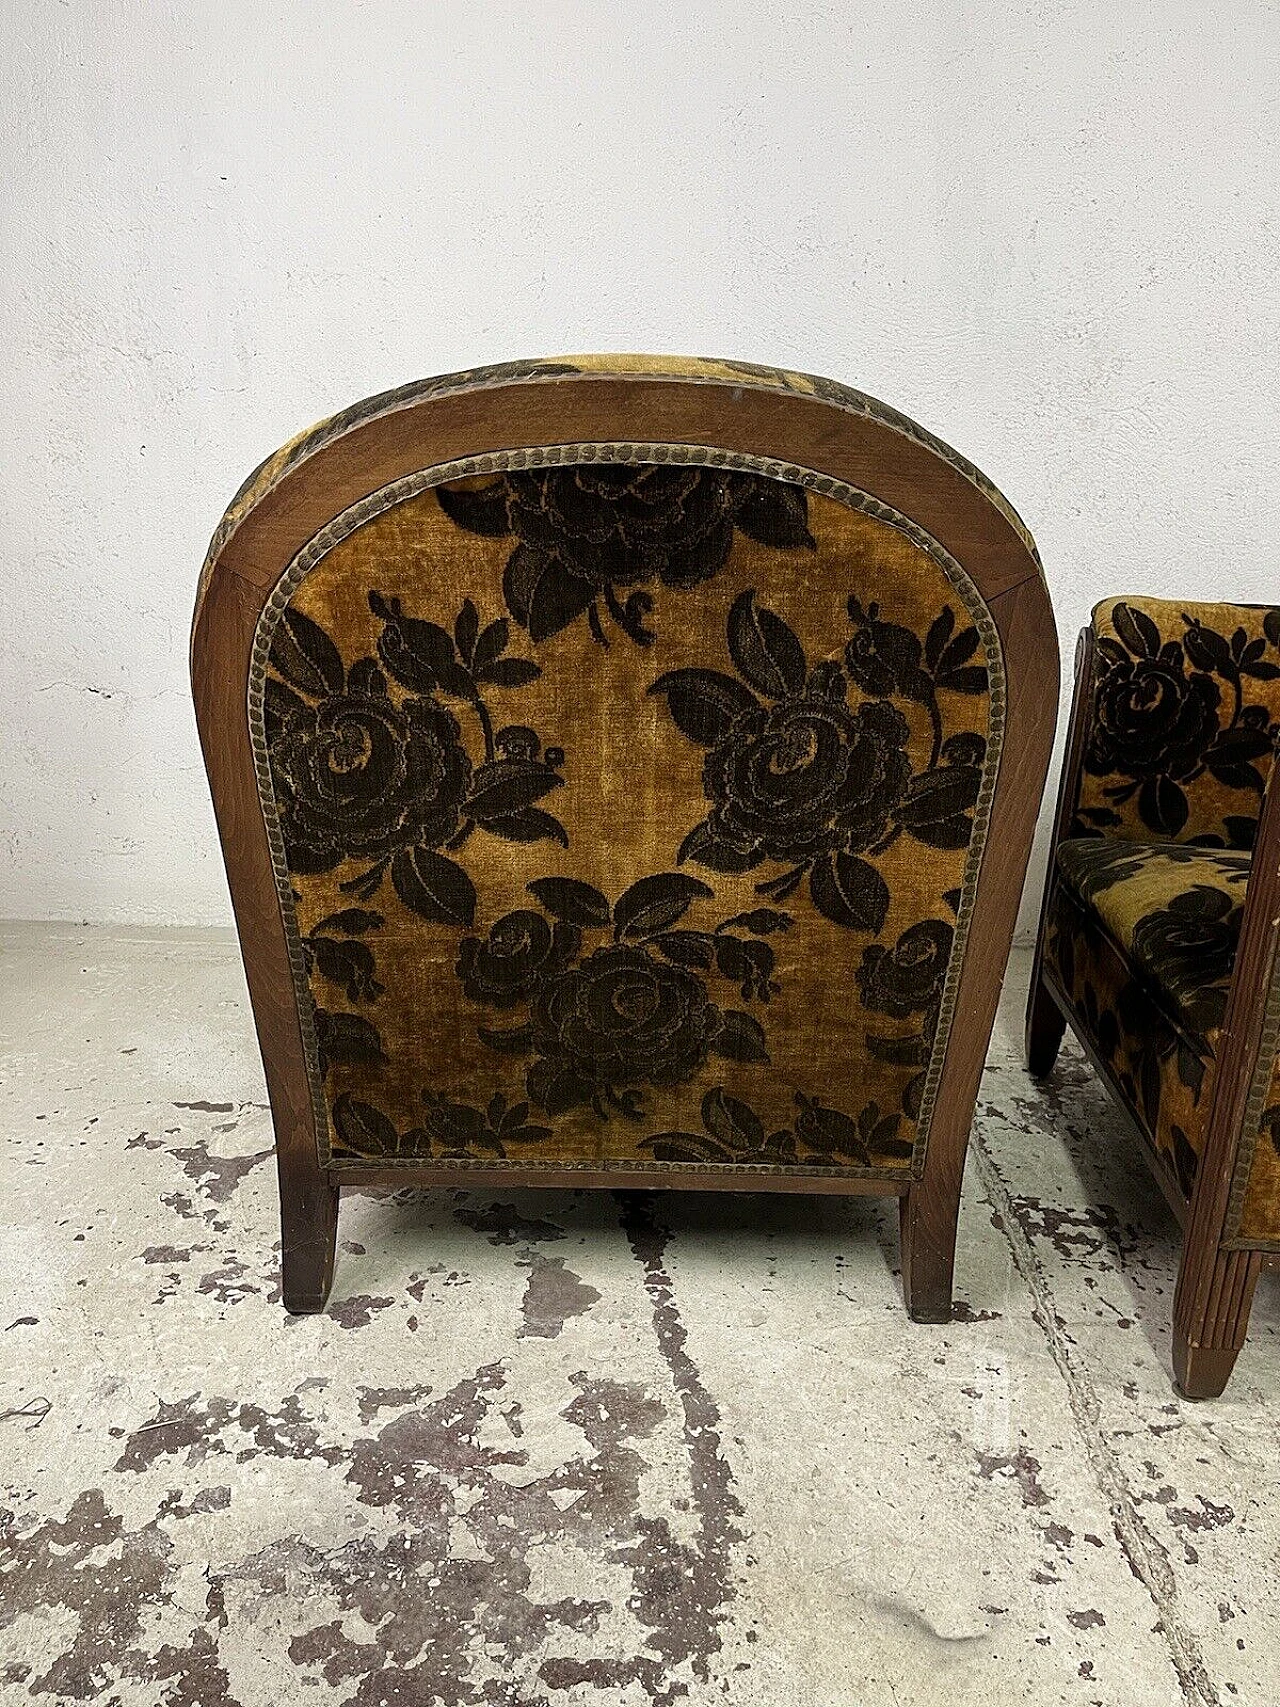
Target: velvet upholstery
[1127,926]
[632,811]
[1185,716]
[1146,898]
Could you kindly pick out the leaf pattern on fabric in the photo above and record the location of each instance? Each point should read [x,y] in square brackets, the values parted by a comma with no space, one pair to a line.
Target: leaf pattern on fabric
[797,776]
[818,1137]
[1183,726]
[610,1008]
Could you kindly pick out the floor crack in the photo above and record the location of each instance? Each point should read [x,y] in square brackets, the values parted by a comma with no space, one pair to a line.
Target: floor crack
[1146,1558]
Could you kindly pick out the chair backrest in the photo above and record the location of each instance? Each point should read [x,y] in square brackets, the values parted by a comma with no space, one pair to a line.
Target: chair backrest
[1183,719]
[624,764]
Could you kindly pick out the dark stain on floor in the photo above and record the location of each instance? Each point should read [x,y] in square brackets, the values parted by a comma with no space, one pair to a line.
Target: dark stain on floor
[445,1574]
[552,1295]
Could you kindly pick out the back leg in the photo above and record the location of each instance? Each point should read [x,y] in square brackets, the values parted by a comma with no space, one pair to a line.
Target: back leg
[1045,1028]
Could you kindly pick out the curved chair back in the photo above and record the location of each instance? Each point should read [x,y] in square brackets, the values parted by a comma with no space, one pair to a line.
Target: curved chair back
[626,770]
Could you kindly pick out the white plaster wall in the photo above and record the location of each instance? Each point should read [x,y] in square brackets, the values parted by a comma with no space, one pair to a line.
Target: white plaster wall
[1047,232]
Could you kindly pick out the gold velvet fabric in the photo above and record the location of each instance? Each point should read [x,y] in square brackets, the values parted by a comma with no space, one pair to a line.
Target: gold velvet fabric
[1186,710]
[1163,1082]
[1141,938]
[1146,908]
[628,811]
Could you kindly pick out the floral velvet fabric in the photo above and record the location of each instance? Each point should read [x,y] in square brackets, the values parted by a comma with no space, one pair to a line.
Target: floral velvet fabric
[1146,907]
[1186,710]
[628,812]
[1164,1077]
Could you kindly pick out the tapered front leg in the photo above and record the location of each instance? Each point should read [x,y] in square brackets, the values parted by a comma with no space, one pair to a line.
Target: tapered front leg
[1210,1321]
[927,1224]
[308,1240]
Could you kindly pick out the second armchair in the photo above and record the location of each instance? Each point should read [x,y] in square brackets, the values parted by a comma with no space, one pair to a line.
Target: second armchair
[1159,930]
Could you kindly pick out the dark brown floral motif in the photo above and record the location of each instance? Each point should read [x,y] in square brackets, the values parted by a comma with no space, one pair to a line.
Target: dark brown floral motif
[835,1139]
[797,780]
[621,1018]
[333,951]
[805,780]
[1153,719]
[734,1132]
[820,1137]
[360,774]
[634,1011]
[902,981]
[907,978]
[1158,719]
[1188,948]
[449,1130]
[357,775]
[585,531]
[519,953]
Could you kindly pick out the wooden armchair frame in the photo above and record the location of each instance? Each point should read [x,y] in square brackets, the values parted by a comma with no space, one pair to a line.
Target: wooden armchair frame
[752,412]
[1216,1279]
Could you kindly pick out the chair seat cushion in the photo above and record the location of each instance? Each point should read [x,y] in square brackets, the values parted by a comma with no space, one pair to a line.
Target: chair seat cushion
[1173,911]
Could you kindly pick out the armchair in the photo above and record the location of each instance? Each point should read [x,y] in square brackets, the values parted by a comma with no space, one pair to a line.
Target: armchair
[625,769]
[1158,933]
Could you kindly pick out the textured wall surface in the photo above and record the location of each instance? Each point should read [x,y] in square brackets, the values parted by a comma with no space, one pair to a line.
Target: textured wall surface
[1053,241]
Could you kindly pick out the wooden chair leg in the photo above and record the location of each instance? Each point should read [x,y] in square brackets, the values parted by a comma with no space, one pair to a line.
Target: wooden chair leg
[1211,1318]
[308,1240]
[1045,1028]
[927,1218]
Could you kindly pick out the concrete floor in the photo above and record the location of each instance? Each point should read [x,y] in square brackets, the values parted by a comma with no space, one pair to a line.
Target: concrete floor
[554,1449]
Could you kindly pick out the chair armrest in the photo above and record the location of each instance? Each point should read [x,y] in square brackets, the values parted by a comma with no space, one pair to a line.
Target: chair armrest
[1236,1201]
[1182,719]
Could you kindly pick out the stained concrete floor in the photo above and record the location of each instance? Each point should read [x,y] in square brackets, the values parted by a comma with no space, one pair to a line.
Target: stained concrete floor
[561,1449]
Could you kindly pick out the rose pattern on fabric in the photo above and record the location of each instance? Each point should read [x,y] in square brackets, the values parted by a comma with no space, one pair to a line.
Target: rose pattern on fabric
[632,1012]
[362,774]
[796,776]
[1191,947]
[907,978]
[1142,938]
[392,763]
[520,951]
[359,775]
[622,1018]
[587,530]
[1169,711]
